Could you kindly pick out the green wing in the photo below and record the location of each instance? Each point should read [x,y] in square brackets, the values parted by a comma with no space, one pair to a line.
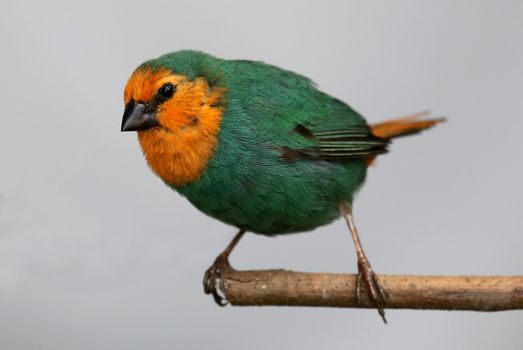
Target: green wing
[333,131]
[288,109]
[356,141]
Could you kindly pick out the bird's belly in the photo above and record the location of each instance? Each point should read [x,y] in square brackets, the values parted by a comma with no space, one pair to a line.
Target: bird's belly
[277,199]
[268,219]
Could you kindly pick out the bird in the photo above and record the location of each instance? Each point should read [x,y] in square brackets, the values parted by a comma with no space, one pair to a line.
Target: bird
[257,147]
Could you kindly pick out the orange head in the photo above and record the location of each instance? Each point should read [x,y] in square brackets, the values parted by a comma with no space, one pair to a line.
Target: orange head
[177,120]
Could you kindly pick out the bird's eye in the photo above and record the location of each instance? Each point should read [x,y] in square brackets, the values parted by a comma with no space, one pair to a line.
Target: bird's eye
[166,91]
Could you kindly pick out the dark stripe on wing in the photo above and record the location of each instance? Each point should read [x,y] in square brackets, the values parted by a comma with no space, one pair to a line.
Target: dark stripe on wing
[352,142]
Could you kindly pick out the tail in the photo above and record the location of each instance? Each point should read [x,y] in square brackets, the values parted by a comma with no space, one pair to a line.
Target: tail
[405,126]
[400,127]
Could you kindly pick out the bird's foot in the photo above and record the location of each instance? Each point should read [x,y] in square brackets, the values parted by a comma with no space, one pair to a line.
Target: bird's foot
[213,280]
[375,290]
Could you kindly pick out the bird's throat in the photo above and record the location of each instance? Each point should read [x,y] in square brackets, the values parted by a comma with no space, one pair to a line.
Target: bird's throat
[179,158]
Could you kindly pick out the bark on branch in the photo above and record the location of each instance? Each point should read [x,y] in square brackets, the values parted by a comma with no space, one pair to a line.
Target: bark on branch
[287,288]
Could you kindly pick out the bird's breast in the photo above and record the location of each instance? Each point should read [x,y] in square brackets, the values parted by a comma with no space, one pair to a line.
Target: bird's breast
[180,158]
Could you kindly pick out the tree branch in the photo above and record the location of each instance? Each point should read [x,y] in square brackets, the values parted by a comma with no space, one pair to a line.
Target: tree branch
[287,288]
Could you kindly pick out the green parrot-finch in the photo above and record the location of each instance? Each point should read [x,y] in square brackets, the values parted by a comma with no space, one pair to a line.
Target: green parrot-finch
[256,146]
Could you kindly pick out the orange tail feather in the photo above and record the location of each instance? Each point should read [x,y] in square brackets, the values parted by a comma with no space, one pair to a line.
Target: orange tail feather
[404,126]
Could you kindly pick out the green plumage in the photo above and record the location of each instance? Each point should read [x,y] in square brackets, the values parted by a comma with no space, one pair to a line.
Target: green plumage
[288,154]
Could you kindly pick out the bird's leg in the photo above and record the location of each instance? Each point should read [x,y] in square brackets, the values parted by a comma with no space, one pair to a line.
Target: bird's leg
[375,290]
[213,278]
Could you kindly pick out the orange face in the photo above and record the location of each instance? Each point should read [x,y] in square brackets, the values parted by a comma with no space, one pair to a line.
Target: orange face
[180,121]
[182,108]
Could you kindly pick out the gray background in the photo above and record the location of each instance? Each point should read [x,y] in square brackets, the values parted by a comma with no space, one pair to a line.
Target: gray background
[97,253]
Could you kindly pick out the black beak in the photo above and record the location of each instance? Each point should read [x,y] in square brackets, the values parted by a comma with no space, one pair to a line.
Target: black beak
[137,117]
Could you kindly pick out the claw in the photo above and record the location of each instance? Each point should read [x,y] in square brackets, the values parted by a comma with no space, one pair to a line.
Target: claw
[213,280]
[377,294]
[375,291]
